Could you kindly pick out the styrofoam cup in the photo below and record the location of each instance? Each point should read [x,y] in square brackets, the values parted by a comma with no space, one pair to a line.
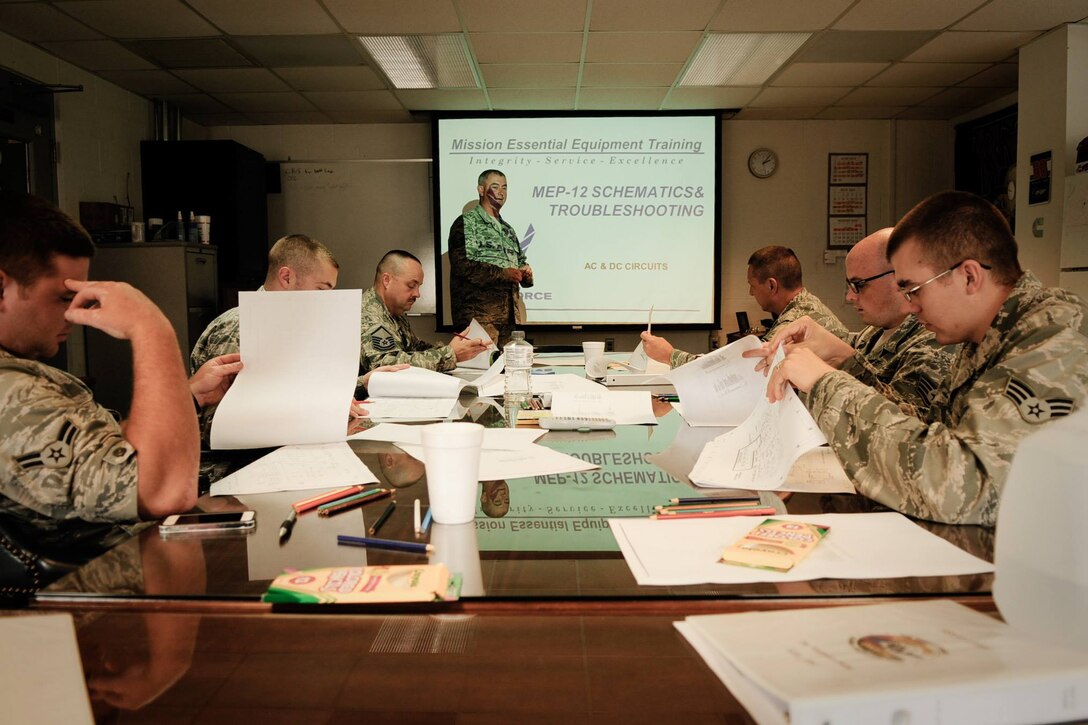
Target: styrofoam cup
[451,455]
[592,350]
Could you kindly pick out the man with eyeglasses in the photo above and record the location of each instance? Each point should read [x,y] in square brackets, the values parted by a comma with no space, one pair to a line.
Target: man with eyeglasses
[1023,362]
[774,281]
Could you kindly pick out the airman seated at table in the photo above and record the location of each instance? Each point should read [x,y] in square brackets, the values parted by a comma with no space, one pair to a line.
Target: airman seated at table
[775,282]
[63,456]
[387,338]
[1023,362]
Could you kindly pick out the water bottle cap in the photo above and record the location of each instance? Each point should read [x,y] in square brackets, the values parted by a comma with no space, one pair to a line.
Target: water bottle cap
[517,335]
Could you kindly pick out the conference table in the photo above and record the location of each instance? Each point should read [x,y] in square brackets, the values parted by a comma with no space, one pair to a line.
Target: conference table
[551,623]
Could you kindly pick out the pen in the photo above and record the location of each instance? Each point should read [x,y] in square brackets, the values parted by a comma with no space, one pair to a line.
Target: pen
[336,507]
[416,519]
[716,514]
[287,525]
[713,499]
[314,501]
[426,523]
[383,518]
[406,546]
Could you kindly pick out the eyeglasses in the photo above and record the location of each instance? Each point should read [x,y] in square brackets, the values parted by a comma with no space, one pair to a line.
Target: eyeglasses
[910,293]
[857,285]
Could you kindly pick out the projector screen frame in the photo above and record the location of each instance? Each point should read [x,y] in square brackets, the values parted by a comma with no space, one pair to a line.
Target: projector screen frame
[441,234]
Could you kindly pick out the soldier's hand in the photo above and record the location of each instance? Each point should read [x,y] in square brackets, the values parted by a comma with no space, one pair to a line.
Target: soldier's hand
[365,380]
[807,333]
[514,275]
[116,308]
[657,348]
[210,383]
[801,368]
[467,349]
[763,357]
[526,276]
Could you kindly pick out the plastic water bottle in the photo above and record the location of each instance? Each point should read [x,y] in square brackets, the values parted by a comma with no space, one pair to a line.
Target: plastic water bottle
[519,361]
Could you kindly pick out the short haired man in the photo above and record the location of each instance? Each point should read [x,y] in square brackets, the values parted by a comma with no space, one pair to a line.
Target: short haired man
[387,338]
[775,282]
[895,354]
[487,264]
[1023,362]
[295,262]
[62,456]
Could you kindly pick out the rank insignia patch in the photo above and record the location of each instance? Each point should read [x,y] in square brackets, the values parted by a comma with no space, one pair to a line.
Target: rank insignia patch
[1032,408]
[57,454]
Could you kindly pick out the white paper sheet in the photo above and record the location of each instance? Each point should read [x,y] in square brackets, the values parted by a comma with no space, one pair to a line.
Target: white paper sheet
[297,468]
[413,382]
[859,546]
[542,384]
[301,355]
[759,453]
[500,439]
[818,471]
[720,388]
[626,407]
[43,679]
[379,409]
[482,361]
[533,460]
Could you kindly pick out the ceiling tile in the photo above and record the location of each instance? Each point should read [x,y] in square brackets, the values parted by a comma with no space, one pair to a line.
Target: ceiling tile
[1020,15]
[885,96]
[400,116]
[354,100]
[196,103]
[1002,75]
[527,47]
[966,47]
[531,75]
[753,15]
[139,18]
[927,74]
[191,53]
[776,114]
[436,99]
[220,119]
[798,97]
[652,14]
[289,118]
[523,15]
[849,46]
[303,50]
[265,102]
[267,17]
[37,22]
[710,97]
[913,15]
[388,17]
[332,78]
[827,74]
[231,80]
[98,55]
[533,100]
[929,113]
[966,97]
[641,47]
[844,113]
[612,75]
[147,82]
[630,99]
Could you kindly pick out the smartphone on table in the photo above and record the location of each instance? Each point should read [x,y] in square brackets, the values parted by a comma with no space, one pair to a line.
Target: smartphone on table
[209,522]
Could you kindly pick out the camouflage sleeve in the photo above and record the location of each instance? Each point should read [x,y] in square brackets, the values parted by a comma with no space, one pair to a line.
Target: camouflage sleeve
[380,347]
[219,338]
[482,274]
[679,357]
[63,458]
[917,375]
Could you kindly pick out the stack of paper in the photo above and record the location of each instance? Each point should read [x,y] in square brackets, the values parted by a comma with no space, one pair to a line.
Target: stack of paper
[720,388]
[297,468]
[629,407]
[524,462]
[933,661]
[419,394]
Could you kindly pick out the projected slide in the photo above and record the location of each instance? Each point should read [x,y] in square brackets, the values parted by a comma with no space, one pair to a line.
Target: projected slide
[616,214]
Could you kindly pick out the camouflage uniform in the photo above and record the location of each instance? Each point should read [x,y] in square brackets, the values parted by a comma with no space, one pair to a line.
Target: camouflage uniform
[62,456]
[907,366]
[388,340]
[1031,366]
[482,247]
[803,303]
[220,337]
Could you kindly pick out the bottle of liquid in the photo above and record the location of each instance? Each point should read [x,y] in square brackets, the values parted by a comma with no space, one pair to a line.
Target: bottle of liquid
[519,361]
[194,230]
[181,228]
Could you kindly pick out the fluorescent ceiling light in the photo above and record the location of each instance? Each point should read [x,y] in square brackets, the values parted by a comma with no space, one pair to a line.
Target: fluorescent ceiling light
[423,61]
[741,59]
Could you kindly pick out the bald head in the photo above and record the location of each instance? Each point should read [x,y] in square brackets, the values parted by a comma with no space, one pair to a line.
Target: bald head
[877,300]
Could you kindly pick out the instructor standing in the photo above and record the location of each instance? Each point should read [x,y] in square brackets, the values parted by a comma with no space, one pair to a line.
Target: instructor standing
[487,264]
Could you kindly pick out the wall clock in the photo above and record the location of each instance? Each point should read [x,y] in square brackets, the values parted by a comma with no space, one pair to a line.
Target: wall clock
[762,163]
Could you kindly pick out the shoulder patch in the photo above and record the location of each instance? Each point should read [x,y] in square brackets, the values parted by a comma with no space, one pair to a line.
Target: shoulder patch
[382,340]
[1032,408]
[56,454]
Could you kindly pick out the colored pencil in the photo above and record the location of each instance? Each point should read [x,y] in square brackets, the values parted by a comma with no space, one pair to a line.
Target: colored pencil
[361,494]
[406,546]
[417,524]
[710,507]
[713,499]
[715,514]
[336,507]
[426,523]
[383,518]
[314,501]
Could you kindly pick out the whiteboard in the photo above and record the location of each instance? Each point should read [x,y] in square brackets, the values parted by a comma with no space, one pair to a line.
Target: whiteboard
[360,210]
